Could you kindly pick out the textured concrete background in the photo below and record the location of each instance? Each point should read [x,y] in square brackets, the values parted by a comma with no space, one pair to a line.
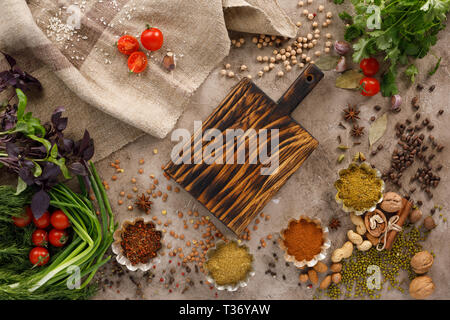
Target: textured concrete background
[309,191]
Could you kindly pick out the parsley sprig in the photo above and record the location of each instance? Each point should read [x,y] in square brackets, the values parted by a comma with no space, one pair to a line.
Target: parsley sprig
[401,30]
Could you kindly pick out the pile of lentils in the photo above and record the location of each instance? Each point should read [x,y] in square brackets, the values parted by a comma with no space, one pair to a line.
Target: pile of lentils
[413,144]
[354,269]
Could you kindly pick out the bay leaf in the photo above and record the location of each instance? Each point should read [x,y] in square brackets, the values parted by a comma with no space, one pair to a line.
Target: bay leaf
[349,79]
[326,63]
[377,129]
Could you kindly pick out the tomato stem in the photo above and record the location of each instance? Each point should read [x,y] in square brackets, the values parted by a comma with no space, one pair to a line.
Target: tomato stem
[148,26]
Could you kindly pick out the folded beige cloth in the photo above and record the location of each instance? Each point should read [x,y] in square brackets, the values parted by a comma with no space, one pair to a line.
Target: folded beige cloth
[86,60]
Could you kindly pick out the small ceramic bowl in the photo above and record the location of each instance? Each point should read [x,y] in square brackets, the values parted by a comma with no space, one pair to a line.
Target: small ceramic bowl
[374,205]
[320,256]
[231,287]
[118,250]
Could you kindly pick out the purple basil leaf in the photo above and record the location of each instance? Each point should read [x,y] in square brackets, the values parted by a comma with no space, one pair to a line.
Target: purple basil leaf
[88,153]
[78,169]
[40,203]
[62,124]
[11,60]
[50,171]
[28,164]
[12,150]
[84,143]
[26,175]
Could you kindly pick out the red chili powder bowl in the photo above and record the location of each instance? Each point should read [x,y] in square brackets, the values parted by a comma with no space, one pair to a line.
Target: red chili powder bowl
[303,239]
[140,242]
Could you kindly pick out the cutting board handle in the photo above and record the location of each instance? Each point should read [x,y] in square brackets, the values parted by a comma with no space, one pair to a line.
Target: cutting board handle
[299,89]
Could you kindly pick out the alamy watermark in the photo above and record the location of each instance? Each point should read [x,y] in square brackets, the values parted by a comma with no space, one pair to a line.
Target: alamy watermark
[374,278]
[234,146]
[74,279]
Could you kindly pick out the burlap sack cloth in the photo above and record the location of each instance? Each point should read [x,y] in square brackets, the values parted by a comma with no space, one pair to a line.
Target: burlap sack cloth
[82,70]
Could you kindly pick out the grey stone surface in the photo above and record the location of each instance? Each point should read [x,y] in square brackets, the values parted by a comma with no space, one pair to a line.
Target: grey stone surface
[309,191]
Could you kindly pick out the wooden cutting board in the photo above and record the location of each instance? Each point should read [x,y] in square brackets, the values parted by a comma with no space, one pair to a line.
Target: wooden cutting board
[236,193]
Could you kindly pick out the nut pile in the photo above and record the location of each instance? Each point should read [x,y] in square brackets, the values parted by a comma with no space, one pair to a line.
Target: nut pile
[354,269]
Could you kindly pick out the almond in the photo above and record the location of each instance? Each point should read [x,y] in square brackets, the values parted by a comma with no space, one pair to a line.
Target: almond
[320,267]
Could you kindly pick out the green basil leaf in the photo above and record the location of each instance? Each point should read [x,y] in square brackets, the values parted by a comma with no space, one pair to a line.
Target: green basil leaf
[45,142]
[22,104]
[37,169]
[62,165]
[54,151]
[21,186]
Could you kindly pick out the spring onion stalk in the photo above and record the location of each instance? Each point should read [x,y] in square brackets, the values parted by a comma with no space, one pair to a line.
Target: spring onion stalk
[91,240]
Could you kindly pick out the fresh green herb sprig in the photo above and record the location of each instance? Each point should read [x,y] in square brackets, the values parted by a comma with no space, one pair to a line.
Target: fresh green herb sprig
[93,235]
[399,29]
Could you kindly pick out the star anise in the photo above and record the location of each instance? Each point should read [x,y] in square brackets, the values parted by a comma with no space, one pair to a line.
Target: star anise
[143,202]
[357,131]
[334,224]
[351,114]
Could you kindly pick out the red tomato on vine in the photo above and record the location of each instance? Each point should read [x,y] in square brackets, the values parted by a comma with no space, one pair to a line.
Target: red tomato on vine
[152,38]
[369,66]
[369,86]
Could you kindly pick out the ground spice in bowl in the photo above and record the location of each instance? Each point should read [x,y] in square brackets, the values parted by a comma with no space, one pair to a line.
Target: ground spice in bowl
[229,263]
[303,239]
[359,187]
[140,242]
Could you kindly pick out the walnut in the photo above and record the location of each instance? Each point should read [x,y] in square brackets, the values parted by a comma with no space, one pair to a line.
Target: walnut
[392,202]
[421,287]
[375,222]
[374,240]
[429,223]
[422,262]
[415,215]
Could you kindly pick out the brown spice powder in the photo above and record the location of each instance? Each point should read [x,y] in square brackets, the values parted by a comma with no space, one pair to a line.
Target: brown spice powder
[303,239]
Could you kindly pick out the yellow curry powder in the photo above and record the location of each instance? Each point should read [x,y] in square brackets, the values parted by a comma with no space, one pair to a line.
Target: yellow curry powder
[358,187]
[229,264]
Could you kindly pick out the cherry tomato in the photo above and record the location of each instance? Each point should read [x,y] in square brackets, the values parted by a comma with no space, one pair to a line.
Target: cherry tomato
[152,38]
[40,238]
[127,44]
[369,66]
[369,86]
[24,219]
[58,238]
[43,222]
[137,62]
[59,220]
[39,256]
